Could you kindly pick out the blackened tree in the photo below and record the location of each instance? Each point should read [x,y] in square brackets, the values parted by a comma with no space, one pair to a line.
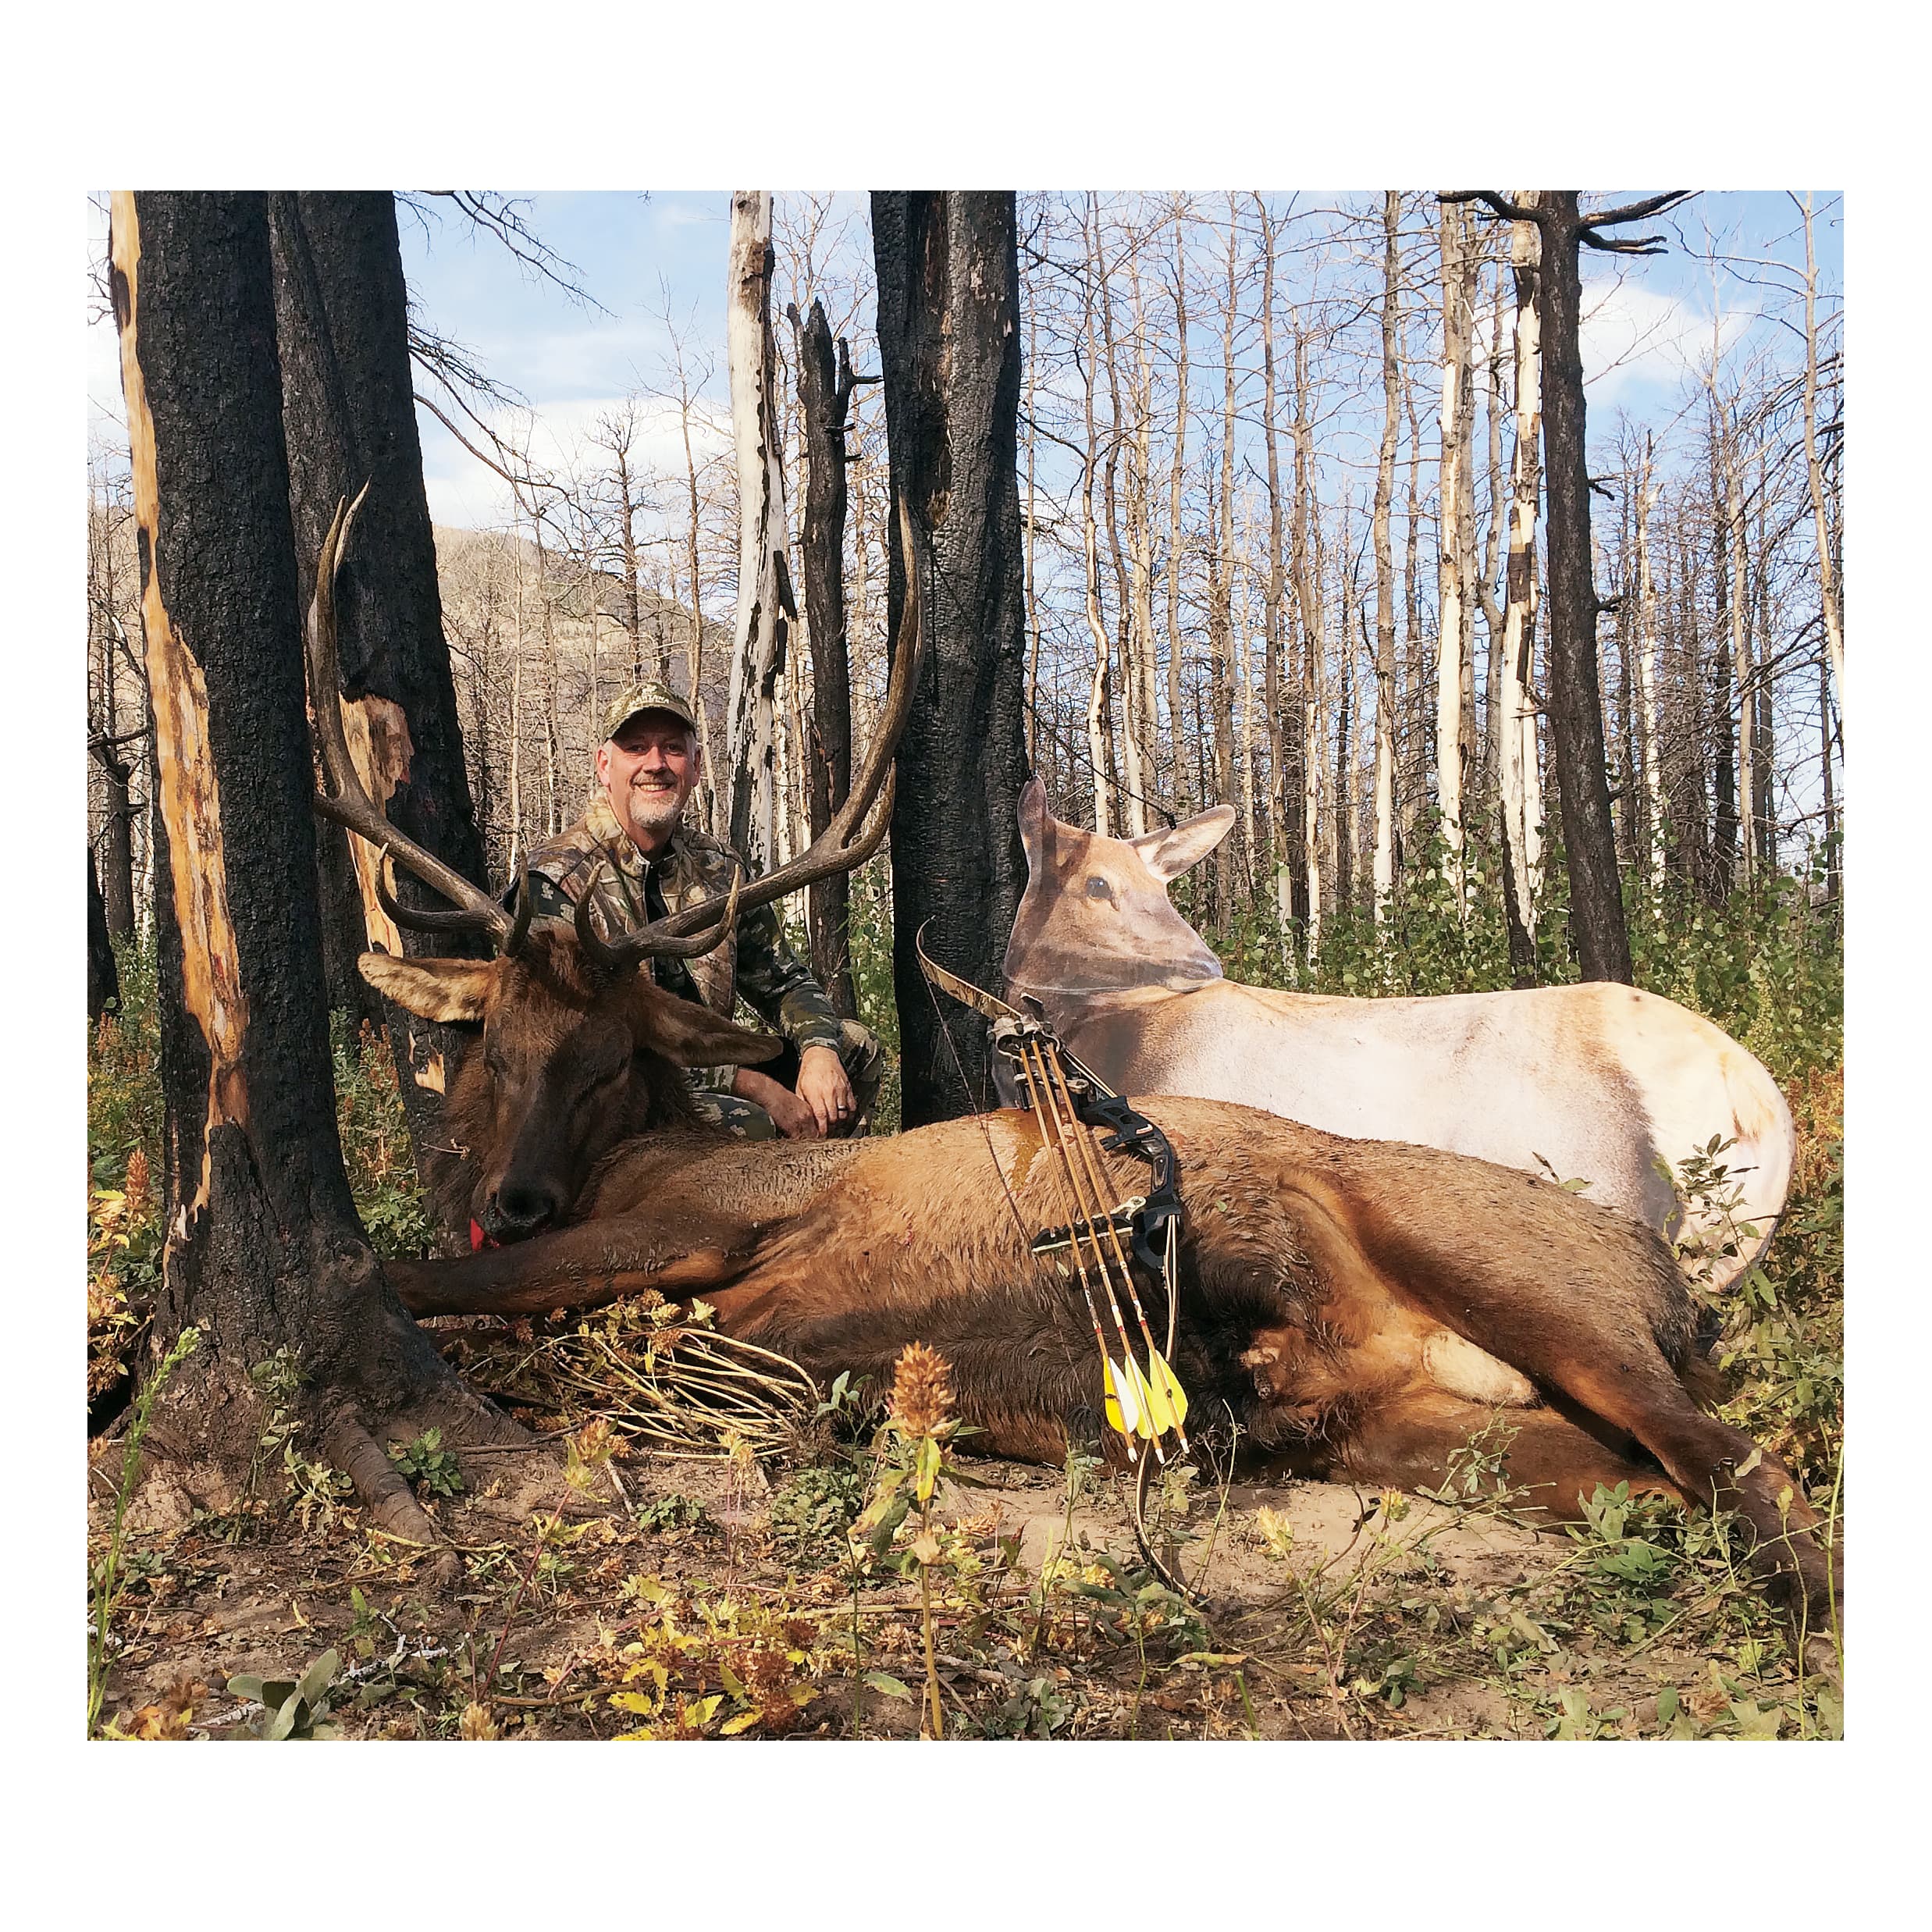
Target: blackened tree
[948,276]
[342,327]
[265,1253]
[1597,925]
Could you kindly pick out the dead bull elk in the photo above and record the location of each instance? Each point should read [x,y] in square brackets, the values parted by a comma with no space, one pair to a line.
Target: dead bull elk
[1359,1310]
[1600,1081]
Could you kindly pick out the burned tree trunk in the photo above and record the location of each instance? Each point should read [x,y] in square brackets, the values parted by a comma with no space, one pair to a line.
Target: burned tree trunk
[349,418]
[264,1250]
[104,978]
[1596,906]
[948,271]
[825,386]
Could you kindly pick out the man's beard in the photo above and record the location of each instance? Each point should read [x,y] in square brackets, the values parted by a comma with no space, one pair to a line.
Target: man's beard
[653,809]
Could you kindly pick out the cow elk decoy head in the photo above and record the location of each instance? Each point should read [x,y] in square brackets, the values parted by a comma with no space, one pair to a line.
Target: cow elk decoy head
[1095,916]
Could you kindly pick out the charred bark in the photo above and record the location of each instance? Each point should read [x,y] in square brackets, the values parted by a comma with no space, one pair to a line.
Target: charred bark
[1576,706]
[349,418]
[825,386]
[263,1250]
[948,273]
[104,978]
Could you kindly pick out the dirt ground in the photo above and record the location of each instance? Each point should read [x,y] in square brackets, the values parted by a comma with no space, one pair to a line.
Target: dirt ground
[684,1598]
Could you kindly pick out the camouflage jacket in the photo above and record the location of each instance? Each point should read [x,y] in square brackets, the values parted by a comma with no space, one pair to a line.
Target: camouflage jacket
[762,968]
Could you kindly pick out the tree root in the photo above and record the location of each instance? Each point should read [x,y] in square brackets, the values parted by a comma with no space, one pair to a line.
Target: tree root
[392,1504]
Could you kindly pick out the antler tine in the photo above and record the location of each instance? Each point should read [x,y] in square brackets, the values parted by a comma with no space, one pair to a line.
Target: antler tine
[409,917]
[346,801]
[651,942]
[843,844]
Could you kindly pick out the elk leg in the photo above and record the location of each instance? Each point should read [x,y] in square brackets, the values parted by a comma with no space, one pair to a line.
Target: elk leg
[582,1266]
[1408,1442]
[1722,1469]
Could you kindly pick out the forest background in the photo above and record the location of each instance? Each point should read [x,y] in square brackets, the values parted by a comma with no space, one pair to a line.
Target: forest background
[1665,107]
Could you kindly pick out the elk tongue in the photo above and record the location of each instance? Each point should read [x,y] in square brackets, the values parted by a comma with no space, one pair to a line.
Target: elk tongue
[478,1238]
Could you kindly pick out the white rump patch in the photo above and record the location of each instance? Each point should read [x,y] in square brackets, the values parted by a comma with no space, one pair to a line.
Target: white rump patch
[1473,1373]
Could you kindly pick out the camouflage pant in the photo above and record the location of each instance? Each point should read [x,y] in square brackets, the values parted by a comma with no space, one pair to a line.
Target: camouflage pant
[864,1061]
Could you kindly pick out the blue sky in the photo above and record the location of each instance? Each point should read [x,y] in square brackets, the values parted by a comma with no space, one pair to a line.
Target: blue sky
[636,253]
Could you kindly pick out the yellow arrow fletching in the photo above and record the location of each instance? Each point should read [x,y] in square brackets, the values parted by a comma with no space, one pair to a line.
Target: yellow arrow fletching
[1167,1386]
[1148,1401]
[1125,1390]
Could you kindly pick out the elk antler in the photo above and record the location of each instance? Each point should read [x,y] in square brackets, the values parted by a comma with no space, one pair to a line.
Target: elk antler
[348,802]
[845,842]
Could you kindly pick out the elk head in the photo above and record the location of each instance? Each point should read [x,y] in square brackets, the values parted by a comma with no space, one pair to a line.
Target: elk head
[573,1057]
[1095,916]
[578,1046]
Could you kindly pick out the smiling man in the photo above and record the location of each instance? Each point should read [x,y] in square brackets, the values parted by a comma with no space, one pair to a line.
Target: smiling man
[827,1079]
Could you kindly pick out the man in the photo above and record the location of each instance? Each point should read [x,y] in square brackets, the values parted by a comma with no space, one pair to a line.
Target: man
[828,1081]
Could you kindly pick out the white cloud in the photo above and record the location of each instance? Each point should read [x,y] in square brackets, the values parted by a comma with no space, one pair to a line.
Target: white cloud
[1635,336]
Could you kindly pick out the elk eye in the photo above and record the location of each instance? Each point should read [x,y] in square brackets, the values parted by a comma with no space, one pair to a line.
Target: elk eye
[1099,888]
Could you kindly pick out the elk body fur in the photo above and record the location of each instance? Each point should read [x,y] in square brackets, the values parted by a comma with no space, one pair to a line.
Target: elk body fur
[1358,1310]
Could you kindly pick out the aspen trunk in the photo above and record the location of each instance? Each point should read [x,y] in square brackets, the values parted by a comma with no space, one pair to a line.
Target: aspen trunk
[1647,689]
[1452,752]
[1184,793]
[765,605]
[1142,668]
[1384,875]
[1272,615]
[1522,812]
[1830,606]
[1741,656]
[1096,709]
[1220,600]
[1133,812]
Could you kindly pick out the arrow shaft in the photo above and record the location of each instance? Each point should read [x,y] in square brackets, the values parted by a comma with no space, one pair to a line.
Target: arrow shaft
[1064,1173]
[1060,1108]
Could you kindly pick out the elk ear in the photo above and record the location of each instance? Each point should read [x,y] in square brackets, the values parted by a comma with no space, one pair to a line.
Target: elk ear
[1034,818]
[443,990]
[1168,855]
[688,1034]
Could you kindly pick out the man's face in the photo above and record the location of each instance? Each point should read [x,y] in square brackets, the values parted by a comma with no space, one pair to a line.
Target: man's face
[647,771]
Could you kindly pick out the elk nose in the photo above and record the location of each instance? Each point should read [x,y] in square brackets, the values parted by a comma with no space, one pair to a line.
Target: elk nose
[523,1208]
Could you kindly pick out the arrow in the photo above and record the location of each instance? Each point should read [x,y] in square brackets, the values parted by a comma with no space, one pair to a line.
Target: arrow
[1170,1403]
[1038,1065]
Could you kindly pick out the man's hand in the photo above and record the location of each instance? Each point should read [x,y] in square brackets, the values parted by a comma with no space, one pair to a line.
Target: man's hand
[823,1104]
[824,1087]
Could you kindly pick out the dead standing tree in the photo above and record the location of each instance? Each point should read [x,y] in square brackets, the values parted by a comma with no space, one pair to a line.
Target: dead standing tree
[341,334]
[264,1252]
[765,605]
[826,383]
[948,270]
[1596,905]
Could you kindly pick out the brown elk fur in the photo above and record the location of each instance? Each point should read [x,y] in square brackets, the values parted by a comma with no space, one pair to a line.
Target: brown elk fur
[1356,1309]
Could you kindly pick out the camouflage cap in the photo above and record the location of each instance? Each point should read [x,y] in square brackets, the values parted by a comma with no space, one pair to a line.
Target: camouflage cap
[650,695]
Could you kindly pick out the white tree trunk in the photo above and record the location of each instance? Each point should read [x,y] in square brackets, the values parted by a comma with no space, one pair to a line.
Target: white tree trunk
[765,605]
[1833,611]
[1740,659]
[1516,716]
[1384,873]
[1450,751]
[1647,690]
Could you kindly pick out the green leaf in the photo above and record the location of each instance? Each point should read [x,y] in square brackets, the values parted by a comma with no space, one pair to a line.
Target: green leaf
[283,1724]
[316,1679]
[889,1686]
[1667,1705]
[894,1513]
